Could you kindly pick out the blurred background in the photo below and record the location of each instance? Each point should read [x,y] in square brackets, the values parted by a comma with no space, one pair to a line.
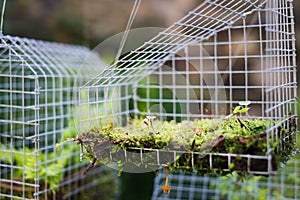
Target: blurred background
[87,22]
[90,22]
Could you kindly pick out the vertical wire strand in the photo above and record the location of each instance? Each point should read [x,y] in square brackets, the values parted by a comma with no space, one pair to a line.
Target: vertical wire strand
[2,17]
[135,8]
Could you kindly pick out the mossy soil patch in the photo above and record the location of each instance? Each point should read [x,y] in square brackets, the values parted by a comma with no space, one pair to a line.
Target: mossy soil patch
[200,137]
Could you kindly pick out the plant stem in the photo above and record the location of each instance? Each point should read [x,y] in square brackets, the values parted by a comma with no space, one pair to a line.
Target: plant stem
[91,166]
[151,124]
[243,124]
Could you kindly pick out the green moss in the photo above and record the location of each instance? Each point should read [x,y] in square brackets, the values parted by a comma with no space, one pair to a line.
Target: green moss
[232,135]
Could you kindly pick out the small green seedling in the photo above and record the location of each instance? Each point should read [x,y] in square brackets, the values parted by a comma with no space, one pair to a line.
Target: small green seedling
[240,109]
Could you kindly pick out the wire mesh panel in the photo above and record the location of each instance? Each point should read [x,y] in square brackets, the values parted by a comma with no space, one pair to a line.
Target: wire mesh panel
[38,86]
[284,185]
[200,24]
[253,59]
[203,66]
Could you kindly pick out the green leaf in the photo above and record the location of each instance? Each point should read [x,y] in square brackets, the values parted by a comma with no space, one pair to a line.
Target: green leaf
[240,109]
[244,110]
[237,109]
[244,103]
[231,166]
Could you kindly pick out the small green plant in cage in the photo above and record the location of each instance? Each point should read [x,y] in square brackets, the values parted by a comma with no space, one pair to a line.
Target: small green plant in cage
[50,174]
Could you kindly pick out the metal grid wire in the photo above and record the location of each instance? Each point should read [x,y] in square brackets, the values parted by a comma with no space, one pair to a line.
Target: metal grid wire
[200,24]
[253,60]
[222,52]
[158,157]
[284,185]
[116,85]
[258,57]
[37,96]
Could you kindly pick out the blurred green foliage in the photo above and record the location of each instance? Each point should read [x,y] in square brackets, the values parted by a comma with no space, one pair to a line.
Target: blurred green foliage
[29,160]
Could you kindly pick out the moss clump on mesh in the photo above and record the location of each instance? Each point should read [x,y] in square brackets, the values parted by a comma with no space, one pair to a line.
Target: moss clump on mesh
[233,135]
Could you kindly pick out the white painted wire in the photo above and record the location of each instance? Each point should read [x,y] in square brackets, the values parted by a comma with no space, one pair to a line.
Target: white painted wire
[2,17]
[172,39]
[41,83]
[284,185]
[133,13]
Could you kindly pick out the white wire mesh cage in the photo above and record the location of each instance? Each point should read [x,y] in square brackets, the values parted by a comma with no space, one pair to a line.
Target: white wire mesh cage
[38,86]
[219,54]
[284,185]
